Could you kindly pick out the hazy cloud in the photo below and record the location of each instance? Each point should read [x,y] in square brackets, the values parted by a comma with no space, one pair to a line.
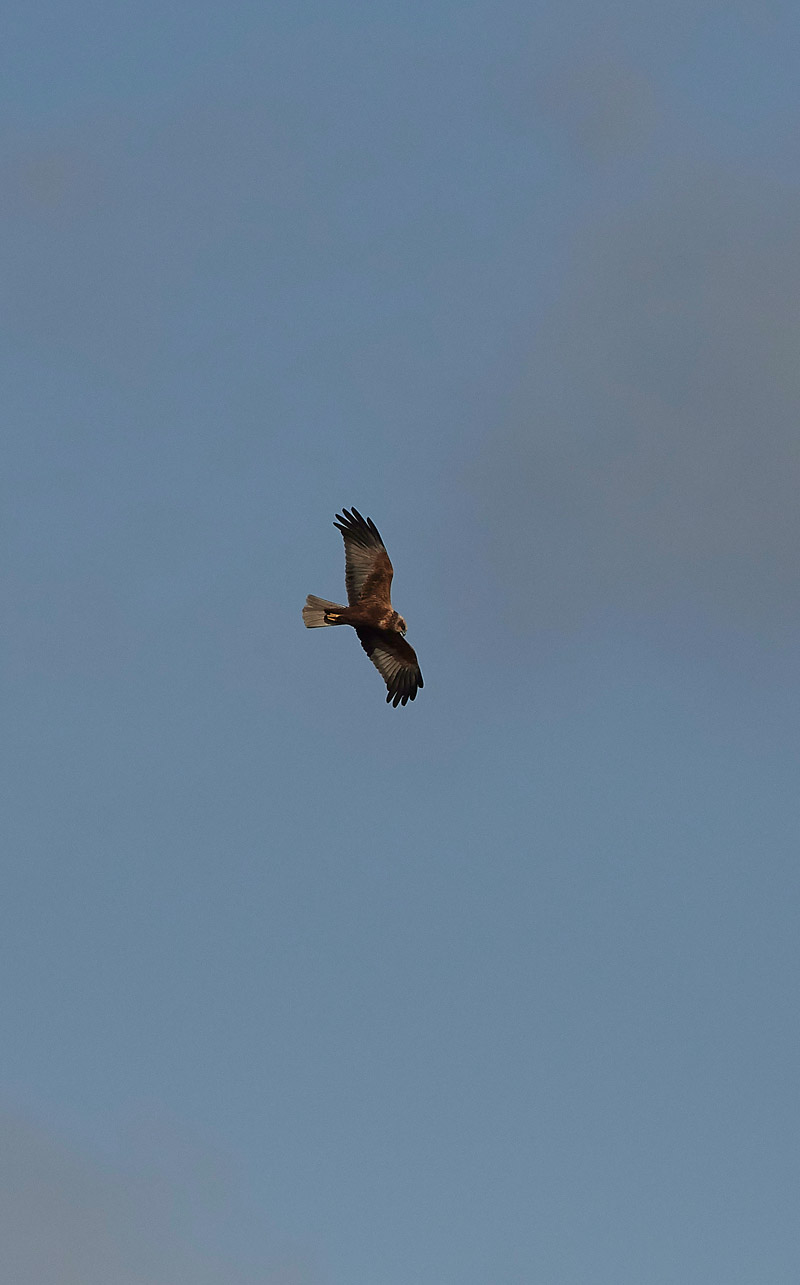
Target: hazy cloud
[68,1219]
[652,458]
[602,104]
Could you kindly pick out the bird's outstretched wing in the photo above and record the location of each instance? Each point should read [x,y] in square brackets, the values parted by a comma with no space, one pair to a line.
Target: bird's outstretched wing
[395,660]
[368,571]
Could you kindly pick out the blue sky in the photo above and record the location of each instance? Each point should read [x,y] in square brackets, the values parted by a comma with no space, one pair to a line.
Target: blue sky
[301,989]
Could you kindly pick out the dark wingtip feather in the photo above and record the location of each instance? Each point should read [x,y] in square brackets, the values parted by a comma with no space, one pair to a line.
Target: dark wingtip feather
[362,530]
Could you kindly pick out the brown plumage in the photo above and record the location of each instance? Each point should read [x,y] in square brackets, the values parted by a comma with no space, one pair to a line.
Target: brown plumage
[381,631]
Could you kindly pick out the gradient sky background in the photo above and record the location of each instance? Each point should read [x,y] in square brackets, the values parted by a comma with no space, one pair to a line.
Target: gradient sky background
[299,989]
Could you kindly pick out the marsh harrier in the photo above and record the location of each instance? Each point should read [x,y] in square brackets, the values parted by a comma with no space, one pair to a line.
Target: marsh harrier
[381,631]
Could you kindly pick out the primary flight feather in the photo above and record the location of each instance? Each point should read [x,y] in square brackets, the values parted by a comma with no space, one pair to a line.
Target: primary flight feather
[381,631]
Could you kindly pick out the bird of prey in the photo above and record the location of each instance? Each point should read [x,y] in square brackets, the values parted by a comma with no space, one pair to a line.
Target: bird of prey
[381,631]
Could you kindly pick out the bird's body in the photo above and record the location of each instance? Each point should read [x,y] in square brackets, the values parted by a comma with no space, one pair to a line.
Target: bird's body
[381,630]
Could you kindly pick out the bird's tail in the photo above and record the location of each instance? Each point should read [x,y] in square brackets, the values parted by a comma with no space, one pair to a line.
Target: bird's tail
[317,610]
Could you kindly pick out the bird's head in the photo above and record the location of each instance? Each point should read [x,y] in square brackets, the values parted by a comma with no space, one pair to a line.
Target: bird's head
[401,626]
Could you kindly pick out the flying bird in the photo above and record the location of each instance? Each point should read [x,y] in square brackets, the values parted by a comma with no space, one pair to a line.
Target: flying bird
[381,631]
